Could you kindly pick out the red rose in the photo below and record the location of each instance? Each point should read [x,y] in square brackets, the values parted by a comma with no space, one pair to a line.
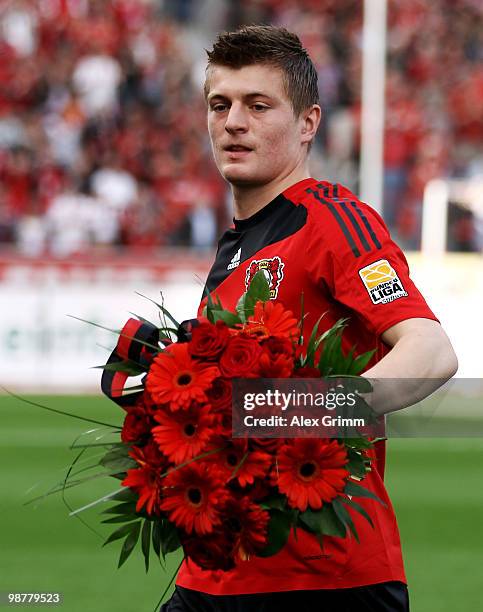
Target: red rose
[276,361]
[136,424]
[208,340]
[240,359]
[219,394]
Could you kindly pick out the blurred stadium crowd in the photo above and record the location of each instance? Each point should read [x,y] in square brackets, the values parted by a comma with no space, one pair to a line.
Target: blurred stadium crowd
[102,122]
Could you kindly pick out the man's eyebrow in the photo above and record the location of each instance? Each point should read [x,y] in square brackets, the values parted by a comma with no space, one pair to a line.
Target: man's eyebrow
[248,96]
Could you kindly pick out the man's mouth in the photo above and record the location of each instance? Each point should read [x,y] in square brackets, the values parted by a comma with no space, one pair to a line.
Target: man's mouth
[237,148]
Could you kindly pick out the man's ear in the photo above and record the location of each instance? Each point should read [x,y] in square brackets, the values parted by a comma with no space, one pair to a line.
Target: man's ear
[310,119]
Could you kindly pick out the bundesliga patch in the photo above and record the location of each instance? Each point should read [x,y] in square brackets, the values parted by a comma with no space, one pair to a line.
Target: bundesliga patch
[273,270]
[382,282]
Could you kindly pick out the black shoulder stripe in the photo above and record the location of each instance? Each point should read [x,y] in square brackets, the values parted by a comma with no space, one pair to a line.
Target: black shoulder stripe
[344,203]
[354,223]
[367,225]
[339,219]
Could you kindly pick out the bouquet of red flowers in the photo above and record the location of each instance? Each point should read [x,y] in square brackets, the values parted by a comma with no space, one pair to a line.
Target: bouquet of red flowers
[185,480]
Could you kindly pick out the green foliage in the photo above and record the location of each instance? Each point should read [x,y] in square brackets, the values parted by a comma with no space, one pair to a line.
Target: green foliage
[323,522]
[356,490]
[145,543]
[127,366]
[117,460]
[279,528]
[162,309]
[344,516]
[332,360]
[312,345]
[226,316]
[258,291]
[358,508]
[275,501]
[129,543]
[358,464]
[164,537]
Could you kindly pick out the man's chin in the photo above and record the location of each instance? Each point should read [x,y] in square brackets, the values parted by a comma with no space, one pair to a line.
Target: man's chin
[241,177]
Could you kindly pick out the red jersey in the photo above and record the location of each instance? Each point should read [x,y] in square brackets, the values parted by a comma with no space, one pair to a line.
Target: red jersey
[318,239]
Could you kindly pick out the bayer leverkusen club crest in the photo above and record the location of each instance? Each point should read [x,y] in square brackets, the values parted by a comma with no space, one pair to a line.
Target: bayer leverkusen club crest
[273,270]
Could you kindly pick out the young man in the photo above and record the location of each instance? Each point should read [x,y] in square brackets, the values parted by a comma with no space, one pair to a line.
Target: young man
[311,236]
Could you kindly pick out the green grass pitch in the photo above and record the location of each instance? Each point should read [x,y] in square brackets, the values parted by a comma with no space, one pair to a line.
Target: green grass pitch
[436,487]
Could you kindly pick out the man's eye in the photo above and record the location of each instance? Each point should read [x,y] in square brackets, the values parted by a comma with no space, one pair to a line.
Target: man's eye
[218,108]
[259,107]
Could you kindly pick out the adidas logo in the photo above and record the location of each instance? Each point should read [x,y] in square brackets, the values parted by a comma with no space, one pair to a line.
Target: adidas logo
[235,260]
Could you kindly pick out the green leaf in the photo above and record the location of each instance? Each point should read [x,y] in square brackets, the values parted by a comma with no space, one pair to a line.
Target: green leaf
[278,532]
[125,495]
[360,363]
[324,521]
[156,537]
[117,459]
[344,516]
[358,443]
[69,414]
[122,518]
[313,343]
[124,508]
[142,319]
[104,498]
[161,308]
[169,538]
[302,319]
[120,533]
[129,367]
[129,543]
[357,463]
[258,290]
[228,317]
[331,359]
[145,543]
[209,308]
[116,331]
[277,502]
[358,508]
[355,490]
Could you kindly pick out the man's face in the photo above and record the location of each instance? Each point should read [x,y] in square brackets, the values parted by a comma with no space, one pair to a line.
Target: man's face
[255,136]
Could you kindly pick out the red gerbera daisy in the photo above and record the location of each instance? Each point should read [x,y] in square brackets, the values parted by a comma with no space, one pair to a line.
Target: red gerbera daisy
[249,464]
[176,378]
[277,358]
[248,523]
[211,552]
[146,480]
[271,319]
[310,472]
[193,497]
[184,434]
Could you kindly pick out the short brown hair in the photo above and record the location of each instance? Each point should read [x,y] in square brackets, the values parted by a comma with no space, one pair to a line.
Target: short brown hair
[262,44]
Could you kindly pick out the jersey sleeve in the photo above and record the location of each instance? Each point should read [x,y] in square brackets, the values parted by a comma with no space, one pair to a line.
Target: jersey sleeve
[362,267]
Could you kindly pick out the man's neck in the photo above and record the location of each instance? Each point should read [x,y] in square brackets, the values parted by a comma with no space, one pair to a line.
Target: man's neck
[249,200]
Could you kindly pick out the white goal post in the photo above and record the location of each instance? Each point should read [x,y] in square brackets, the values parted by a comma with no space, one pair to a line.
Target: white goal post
[467,193]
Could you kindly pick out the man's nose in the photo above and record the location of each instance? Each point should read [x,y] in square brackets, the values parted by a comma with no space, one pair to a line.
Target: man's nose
[237,119]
